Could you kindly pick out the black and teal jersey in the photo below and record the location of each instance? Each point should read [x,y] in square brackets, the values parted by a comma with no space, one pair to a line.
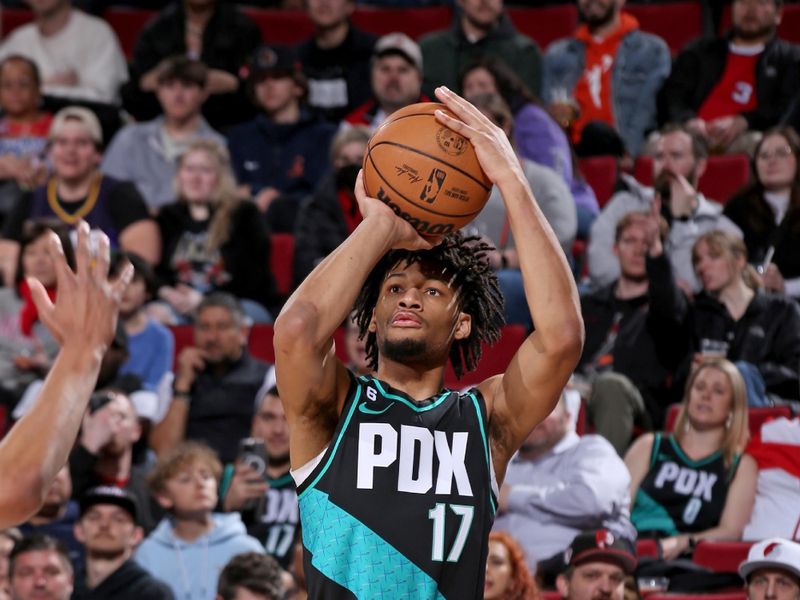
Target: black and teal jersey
[401,503]
[681,495]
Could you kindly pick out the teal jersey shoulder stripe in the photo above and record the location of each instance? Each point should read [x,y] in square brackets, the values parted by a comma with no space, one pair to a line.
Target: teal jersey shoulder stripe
[336,444]
[356,557]
[485,445]
[654,451]
[405,401]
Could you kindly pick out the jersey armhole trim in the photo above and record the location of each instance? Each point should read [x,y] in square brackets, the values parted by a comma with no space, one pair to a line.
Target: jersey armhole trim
[654,451]
[301,474]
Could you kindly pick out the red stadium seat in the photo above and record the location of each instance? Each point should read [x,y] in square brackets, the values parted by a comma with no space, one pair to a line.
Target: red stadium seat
[756,417]
[601,174]
[550,595]
[494,359]
[677,23]
[127,23]
[11,18]
[414,22]
[789,29]
[281,261]
[545,24]
[721,557]
[647,547]
[281,26]
[724,176]
[689,596]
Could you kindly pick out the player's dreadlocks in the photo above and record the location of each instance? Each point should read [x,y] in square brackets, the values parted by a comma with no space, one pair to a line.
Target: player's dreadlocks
[478,295]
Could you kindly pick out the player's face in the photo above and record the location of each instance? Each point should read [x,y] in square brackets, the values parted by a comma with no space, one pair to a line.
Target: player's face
[715,270]
[218,334]
[19,93]
[40,575]
[269,424]
[498,571]
[73,152]
[417,317]
[674,154]
[773,584]
[478,81]
[37,262]
[593,581]
[776,163]
[753,19]
[107,531]
[395,81]
[180,100]
[631,249]
[328,13]
[710,399]
[198,177]
[193,490]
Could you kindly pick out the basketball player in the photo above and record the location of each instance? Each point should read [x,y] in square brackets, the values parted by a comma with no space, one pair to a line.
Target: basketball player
[82,320]
[397,477]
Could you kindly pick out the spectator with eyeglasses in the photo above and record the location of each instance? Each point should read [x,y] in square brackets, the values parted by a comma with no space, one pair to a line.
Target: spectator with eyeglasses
[767,210]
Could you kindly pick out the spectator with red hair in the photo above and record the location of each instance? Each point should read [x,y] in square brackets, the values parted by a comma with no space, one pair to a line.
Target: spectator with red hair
[507,575]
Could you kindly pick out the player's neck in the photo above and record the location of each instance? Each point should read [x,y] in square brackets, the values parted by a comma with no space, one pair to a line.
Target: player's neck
[416,381]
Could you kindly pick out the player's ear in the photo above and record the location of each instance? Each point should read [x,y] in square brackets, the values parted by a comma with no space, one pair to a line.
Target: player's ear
[463,326]
[372,325]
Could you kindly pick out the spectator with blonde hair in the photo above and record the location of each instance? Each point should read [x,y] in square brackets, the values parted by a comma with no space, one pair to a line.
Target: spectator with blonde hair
[213,240]
[189,548]
[507,576]
[695,483]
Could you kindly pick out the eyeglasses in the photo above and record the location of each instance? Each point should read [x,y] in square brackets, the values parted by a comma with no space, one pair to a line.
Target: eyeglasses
[783,152]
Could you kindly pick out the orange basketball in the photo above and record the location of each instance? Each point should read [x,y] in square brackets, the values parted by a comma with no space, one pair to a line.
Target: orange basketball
[427,173]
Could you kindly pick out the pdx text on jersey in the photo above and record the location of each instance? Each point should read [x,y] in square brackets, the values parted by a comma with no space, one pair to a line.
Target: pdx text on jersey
[687,482]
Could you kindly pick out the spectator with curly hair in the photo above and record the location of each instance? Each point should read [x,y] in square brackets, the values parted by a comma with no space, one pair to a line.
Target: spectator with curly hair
[507,576]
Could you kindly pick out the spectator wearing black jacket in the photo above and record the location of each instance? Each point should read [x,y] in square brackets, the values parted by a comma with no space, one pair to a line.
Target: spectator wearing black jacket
[724,87]
[331,214]
[109,529]
[213,241]
[214,32]
[732,317]
[625,358]
[767,211]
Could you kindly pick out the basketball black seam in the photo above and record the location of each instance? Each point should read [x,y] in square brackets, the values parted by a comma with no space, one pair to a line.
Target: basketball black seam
[420,152]
[412,202]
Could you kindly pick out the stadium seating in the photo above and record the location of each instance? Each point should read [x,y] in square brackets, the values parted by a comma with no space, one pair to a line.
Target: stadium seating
[127,23]
[688,596]
[545,24]
[756,416]
[724,175]
[281,261]
[721,557]
[601,174]
[677,23]
[647,547]
[415,22]
[281,26]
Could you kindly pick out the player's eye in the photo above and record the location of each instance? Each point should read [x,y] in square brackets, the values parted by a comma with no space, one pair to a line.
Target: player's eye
[433,292]
[393,289]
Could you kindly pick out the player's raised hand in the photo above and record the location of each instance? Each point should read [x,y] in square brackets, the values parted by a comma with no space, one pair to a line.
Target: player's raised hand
[403,234]
[492,146]
[87,303]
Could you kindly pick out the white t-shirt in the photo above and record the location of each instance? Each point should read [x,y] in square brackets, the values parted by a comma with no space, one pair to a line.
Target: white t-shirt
[86,45]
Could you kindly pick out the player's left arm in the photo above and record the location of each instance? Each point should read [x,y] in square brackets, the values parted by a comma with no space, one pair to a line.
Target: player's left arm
[526,393]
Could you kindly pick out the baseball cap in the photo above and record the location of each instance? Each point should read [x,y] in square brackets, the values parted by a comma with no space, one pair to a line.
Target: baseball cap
[83,116]
[399,43]
[280,61]
[774,553]
[109,494]
[600,545]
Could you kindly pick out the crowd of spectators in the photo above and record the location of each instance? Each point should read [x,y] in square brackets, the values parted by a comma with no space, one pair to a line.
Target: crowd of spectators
[195,153]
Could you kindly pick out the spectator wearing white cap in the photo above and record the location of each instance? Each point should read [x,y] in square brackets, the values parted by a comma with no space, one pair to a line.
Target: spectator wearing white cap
[396,79]
[772,570]
[77,190]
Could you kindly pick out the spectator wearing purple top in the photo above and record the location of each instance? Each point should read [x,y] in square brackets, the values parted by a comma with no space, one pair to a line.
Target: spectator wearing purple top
[537,136]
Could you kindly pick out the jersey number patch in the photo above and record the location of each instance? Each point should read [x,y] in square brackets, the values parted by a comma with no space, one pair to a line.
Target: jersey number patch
[438,514]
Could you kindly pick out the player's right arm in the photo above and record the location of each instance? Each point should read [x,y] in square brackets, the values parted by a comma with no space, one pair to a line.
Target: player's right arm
[312,381]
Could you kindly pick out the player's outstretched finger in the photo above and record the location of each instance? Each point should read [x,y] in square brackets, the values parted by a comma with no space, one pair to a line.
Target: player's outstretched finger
[463,109]
[102,258]
[120,284]
[44,306]
[56,251]
[83,254]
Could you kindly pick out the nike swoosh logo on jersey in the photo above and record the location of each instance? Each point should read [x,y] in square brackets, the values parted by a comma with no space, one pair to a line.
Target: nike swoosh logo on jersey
[370,411]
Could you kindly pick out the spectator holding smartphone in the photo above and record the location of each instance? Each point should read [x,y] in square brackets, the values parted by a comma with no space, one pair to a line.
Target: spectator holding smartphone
[267,500]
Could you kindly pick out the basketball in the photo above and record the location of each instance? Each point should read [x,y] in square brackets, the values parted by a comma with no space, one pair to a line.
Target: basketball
[428,174]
